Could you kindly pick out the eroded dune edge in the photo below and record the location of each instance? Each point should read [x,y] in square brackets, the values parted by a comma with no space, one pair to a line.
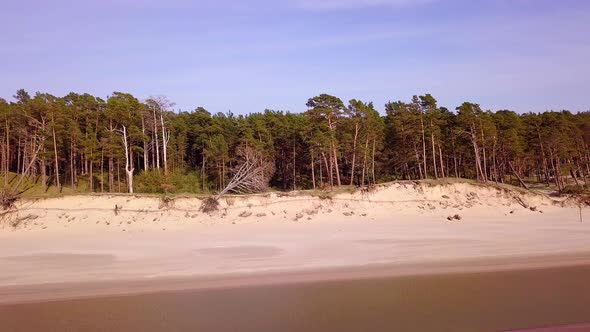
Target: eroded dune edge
[404,198]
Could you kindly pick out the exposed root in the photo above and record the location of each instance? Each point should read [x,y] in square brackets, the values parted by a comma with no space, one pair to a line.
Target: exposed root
[166,203]
[7,199]
[209,205]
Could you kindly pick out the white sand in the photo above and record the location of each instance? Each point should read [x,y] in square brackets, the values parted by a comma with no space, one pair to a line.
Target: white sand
[82,239]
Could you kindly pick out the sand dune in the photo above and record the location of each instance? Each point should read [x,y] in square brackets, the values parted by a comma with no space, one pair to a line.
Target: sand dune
[98,238]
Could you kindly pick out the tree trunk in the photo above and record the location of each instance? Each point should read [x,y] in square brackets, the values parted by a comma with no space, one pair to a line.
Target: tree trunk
[517,176]
[335,158]
[365,160]
[485,163]
[7,153]
[356,132]
[479,171]
[128,162]
[423,144]
[72,183]
[118,175]
[555,171]
[203,172]
[145,144]
[543,156]
[58,184]
[321,175]
[373,161]
[573,174]
[494,161]
[111,174]
[312,170]
[329,170]
[294,169]
[102,169]
[156,139]
[442,167]
[18,155]
[91,176]
[43,175]
[111,162]
[422,176]
[433,153]
[165,140]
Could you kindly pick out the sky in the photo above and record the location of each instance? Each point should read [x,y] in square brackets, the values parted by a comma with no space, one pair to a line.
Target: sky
[247,56]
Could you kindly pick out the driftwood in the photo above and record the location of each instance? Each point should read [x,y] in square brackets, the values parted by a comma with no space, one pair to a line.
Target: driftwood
[521,202]
[9,195]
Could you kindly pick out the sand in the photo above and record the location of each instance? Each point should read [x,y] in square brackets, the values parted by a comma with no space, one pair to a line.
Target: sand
[83,246]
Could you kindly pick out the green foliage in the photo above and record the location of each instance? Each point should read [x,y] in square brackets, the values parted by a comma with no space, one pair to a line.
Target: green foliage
[177,182]
[79,137]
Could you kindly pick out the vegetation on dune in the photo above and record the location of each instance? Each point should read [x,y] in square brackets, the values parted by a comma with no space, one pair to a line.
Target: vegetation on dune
[579,193]
[82,143]
[176,182]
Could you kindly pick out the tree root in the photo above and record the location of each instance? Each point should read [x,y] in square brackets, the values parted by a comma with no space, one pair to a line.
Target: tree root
[209,205]
[7,199]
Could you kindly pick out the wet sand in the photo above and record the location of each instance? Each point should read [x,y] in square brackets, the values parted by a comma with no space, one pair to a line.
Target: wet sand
[484,301]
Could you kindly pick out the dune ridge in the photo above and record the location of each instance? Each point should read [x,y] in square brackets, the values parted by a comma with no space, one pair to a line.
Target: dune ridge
[411,198]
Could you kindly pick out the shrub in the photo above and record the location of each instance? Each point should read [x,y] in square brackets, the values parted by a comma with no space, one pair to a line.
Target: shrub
[579,193]
[175,183]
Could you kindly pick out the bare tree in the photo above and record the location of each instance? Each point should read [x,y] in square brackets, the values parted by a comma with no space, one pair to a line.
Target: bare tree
[9,194]
[165,140]
[128,161]
[159,105]
[252,174]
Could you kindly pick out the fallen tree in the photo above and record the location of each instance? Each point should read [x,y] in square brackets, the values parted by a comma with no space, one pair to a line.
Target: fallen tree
[9,194]
[251,175]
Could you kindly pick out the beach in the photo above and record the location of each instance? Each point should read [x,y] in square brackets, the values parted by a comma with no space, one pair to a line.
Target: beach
[83,247]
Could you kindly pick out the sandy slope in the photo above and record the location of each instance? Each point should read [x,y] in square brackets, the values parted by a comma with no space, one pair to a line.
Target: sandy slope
[82,238]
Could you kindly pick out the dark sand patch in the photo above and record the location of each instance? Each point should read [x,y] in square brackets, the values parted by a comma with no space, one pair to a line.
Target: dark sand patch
[416,242]
[244,252]
[60,259]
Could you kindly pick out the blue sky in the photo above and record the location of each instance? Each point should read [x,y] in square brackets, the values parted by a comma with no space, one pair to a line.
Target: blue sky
[245,56]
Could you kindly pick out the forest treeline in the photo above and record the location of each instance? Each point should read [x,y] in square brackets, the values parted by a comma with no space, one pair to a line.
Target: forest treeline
[120,143]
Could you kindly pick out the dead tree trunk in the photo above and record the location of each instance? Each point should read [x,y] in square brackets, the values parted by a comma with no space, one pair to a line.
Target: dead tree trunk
[517,176]
[128,162]
[165,140]
[156,138]
[251,175]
